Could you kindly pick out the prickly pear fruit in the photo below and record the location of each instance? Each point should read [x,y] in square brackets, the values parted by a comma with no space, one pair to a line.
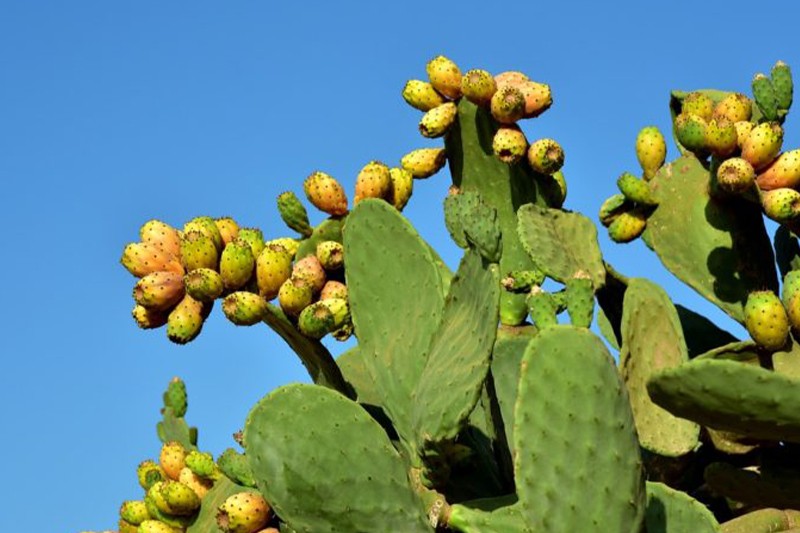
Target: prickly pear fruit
[198,251]
[202,464]
[721,138]
[510,77]
[185,321]
[148,473]
[373,181]
[509,144]
[199,485]
[330,255]
[344,332]
[478,86]
[508,105]
[180,498]
[424,162]
[580,299]
[698,103]
[651,150]
[735,107]
[781,205]
[743,129]
[236,264]
[764,94]
[783,172]
[134,512]
[244,512]
[766,319]
[253,237]
[155,526]
[293,213]
[402,187]
[445,76]
[161,234]
[123,526]
[310,271]
[542,308]
[244,308]
[207,227]
[538,98]
[612,207]
[204,284]
[175,397]
[273,267]
[289,244]
[340,310]
[235,466]
[421,95]
[763,144]
[142,258]
[690,129]
[438,120]
[735,175]
[781,76]
[790,296]
[316,321]
[325,193]
[635,190]
[333,289]
[172,459]
[294,296]
[555,189]
[522,280]
[545,156]
[159,291]
[228,229]
[627,226]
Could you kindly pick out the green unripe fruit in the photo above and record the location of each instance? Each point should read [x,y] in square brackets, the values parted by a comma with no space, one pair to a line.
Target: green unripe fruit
[235,466]
[627,226]
[542,308]
[333,289]
[766,320]
[781,205]
[401,189]
[175,397]
[309,270]
[421,95]
[651,150]
[781,76]
[155,526]
[253,237]
[445,76]
[294,296]
[316,321]
[185,321]
[325,193]
[330,255]
[763,145]
[507,105]
[134,512]
[736,107]
[509,144]
[202,464]
[612,207]
[228,229]
[699,104]
[159,291]
[690,129]
[162,235]
[203,284]
[766,99]
[207,227]
[635,190]
[783,172]
[721,138]
[438,120]
[273,267]
[478,86]
[198,251]
[236,264]
[180,499]
[293,213]
[244,308]
[244,512]
[791,285]
[580,299]
[141,259]
[735,175]
[373,181]
[424,162]
[148,473]
[546,156]
[522,280]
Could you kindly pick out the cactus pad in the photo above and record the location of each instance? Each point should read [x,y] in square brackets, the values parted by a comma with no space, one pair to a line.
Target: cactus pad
[672,511]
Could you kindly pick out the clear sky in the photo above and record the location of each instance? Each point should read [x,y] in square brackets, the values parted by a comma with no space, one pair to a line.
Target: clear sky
[112,113]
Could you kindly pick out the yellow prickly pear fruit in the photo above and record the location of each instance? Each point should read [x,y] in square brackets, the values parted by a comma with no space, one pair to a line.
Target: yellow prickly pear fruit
[142,258]
[445,76]
[204,284]
[236,264]
[508,105]
[310,271]
[333,289]
[545,156]
[123,526]
[254,237]
[698,103]
[613,206]
[228,229]
[244,512]
[736,107]
[783,172]
[781,205]
[185,321]
[207,227]
[330,255]
[763,145]
[198,251]
[134,512]
[162,234]
[690,129]
[651,150]
[273,267]
[735,175]
[373,181]
[538,98]
[199,485]
[180,498]
[421,95]
[424,162]
[244,308]
[172,459]
[627,226]
[721,138]
[478,86]
[294,296]
[743,129]
[316,320]
[149,473]
[402,187]
[148,318]
[154,526]
[509,144]
[766,320]
[325,193]
[291,245]
[159,291]
[438,120]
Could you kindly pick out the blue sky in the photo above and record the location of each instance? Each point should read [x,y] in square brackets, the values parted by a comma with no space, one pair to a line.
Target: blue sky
[112,113]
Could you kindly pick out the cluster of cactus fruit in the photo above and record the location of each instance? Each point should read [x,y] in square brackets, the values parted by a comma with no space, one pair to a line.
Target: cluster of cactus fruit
[479,401]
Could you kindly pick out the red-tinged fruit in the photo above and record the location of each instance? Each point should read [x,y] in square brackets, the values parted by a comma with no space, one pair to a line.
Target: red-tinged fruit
[228,229]
[783,172]
[445,76]
[172,459]
[735,107]
[310,271]
[159,291]
[333,289]
[325,193]
[763,145]
[141,259]
[538,98]
[162,234]
[510,77]
[373,181]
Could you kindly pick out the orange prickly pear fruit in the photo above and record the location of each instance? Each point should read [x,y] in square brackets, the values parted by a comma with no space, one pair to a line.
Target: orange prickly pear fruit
[294,296]
[545,156]
[207,227]
[198,251]
[172,459]
[735,175]
[509,144]
[538,98]
[142,258]
[162,234]
[325,193]
[421,95]
[310,271]
[186,320]
[763,145]
[651,150]
[445,76]
[333,289]
[424,162]
[228,229]
[159,291]
[735,107]
[438,120]
[236,265]
[508,105]
[402,187]
[373,181]
[698,103]
[245,308]
[766,320]
[510,77]
[273,267]
[204,284]
[478,86]
[783,172]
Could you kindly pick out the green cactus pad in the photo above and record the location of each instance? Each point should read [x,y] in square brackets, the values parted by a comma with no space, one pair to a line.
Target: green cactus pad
[470,220]
[491,515]
[787,250]
[721,249]
[236,467]
[459,356]
[742,351]
[673,511]
[577,464]
[206,521]
[763,521]
[652,341]
[357,375]
[781,76]
[731,396]
[756,489]
[342,465]
[561,243]
[174,428]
